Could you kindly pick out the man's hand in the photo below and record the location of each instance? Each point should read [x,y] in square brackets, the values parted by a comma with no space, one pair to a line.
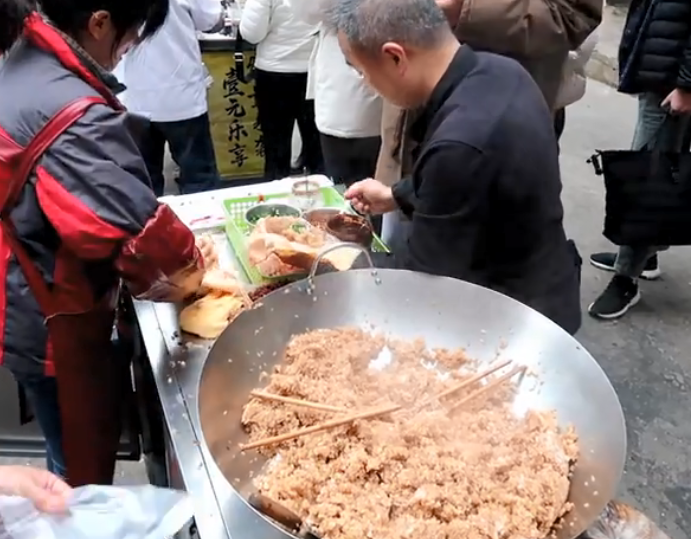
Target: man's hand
[452,10]
[678,102]
[371,196]
[47,491]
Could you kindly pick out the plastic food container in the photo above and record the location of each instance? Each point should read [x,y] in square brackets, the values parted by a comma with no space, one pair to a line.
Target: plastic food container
[306,195]
[270,209]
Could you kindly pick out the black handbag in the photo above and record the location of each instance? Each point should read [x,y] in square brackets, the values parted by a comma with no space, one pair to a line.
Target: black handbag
[648,194]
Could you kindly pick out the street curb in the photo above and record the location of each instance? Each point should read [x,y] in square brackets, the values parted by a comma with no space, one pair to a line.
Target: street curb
[603,68]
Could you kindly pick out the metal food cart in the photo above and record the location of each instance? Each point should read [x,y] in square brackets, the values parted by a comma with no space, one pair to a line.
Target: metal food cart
[171,366]
[168,368]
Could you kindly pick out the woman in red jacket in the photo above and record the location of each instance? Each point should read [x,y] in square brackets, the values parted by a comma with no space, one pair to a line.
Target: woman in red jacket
[77,216]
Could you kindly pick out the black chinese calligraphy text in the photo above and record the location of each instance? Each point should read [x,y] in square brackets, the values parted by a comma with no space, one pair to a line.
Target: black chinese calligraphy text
[231,85]
[236,131]
[259,142]
[238,155]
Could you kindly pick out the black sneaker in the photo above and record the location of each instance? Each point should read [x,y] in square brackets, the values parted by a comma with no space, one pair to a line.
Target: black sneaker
[620,295]
[605,261]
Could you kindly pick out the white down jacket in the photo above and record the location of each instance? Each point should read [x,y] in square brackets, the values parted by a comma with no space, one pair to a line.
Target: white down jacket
[284,42]
[344,106]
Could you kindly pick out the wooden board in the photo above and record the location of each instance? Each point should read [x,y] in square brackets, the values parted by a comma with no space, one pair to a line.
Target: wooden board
[233,114]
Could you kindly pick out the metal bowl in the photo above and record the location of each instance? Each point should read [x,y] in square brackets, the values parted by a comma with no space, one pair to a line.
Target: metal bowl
[270,209]
[447,313]
[320,217]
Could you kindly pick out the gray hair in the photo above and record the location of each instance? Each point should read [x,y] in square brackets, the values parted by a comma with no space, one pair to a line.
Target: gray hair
[368,24]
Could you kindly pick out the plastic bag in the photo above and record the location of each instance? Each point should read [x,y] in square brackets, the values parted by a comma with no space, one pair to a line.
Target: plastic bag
[100,512]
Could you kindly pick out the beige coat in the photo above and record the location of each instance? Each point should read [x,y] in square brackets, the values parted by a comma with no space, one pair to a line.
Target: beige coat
[574,80]
[537,33]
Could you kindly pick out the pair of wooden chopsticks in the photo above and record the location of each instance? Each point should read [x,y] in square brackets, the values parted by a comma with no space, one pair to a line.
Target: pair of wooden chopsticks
[381,411]
[296,402]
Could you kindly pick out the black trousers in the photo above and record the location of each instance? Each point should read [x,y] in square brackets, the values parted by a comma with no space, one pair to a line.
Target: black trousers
[192,150]
[348,160]
[280,99]
[559,122]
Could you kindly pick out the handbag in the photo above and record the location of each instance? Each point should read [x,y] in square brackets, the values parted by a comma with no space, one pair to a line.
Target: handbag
[648,194]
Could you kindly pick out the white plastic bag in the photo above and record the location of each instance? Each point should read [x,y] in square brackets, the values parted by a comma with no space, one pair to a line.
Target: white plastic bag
[100,512]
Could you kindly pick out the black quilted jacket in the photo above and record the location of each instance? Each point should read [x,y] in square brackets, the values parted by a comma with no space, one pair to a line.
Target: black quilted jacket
[655,49]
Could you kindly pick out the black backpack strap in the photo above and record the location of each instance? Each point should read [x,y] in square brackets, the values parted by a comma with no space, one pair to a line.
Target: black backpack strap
[244,76]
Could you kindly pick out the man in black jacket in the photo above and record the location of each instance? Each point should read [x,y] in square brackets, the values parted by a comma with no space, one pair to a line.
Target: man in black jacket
[484,194]
[655,64]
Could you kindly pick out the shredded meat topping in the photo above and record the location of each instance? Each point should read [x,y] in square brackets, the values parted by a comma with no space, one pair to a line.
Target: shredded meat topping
[480,472]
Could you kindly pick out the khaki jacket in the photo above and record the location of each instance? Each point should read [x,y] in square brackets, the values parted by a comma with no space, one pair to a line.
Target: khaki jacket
[537,33]
[574,80]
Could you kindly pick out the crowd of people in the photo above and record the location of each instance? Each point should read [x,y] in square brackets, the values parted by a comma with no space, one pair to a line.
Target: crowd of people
[442,116]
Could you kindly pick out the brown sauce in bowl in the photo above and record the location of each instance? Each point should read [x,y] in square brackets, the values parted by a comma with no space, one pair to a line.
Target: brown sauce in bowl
[351,228]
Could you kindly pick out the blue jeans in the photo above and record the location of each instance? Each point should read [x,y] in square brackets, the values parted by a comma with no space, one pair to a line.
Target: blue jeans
[42,394]
[673,136]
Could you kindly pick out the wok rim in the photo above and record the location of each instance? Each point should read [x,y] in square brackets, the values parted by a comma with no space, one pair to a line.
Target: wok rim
[305,285]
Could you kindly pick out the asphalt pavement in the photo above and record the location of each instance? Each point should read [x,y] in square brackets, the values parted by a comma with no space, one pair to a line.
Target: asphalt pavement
[645,354]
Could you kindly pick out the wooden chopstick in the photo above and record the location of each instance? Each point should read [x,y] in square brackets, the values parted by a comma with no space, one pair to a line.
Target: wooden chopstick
[491,386]
[296,402]
[320,427]
[467,382]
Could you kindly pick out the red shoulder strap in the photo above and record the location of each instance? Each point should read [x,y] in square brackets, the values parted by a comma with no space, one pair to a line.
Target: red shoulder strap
[57,125]
[53,128]
[45,36]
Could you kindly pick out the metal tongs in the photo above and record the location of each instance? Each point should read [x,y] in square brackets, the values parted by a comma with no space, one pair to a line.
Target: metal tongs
[280,514]
[367,216]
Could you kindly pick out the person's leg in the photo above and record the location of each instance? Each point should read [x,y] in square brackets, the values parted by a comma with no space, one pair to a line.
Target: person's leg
[293,99]
[365,166]
[559,122]
[395,229]
[192,149]
[311,154]
[331,150]
[654,127]
[152,146]
[298,166]
[278,103]
[42,394]
[362,164]
[348,160]
[607,261]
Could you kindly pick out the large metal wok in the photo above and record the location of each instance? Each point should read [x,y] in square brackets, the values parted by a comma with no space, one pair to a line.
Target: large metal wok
[447,313]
